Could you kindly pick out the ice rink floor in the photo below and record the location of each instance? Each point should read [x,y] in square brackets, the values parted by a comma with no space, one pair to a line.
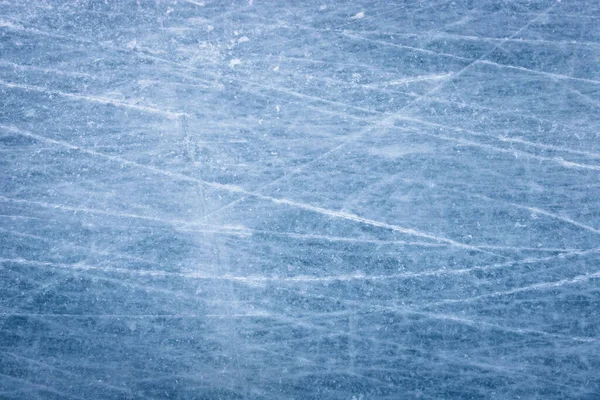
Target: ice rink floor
[300,199]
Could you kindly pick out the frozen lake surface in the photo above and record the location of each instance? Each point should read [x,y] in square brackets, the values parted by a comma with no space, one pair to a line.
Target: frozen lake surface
[300,199]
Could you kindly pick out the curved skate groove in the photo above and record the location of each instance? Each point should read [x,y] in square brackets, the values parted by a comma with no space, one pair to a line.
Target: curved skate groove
[239,190]
[93,99]
[389,120]
[363,309]
[534,287]
[260,280]
[179,217]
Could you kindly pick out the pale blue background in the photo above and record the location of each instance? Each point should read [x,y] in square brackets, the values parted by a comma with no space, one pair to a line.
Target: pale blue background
[300,200]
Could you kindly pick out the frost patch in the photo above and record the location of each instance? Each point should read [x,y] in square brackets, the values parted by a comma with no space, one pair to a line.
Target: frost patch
[234,62]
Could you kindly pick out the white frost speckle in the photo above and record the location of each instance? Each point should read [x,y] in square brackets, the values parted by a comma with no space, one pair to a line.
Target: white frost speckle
[131,45]
[8,24]
[234,62]
[207,53]
[399,151]
[270,180]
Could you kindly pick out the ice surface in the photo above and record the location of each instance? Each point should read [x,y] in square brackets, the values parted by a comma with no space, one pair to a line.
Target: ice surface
[299,199]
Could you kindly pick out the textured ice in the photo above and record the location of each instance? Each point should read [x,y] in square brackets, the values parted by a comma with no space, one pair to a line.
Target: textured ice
[299,199]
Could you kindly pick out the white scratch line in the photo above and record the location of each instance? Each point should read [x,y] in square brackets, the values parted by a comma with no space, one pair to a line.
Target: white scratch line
[24,382]
[536,72]
[17,27]
[557,160]
[416,49]
[536,210]
[506,139]
[137,316]
[93,99]
[17,217]
[422,78]
[444,36]
[27,235]
[90,210]
[390,118]
[521,331]
[196,3]
[518,40]
[549,147]
[254,279]
[242,231]
[536,286]
[307,97]
[475,323]
[305,236]
[45,70]
[236,189]
[178,224]
[354,307]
